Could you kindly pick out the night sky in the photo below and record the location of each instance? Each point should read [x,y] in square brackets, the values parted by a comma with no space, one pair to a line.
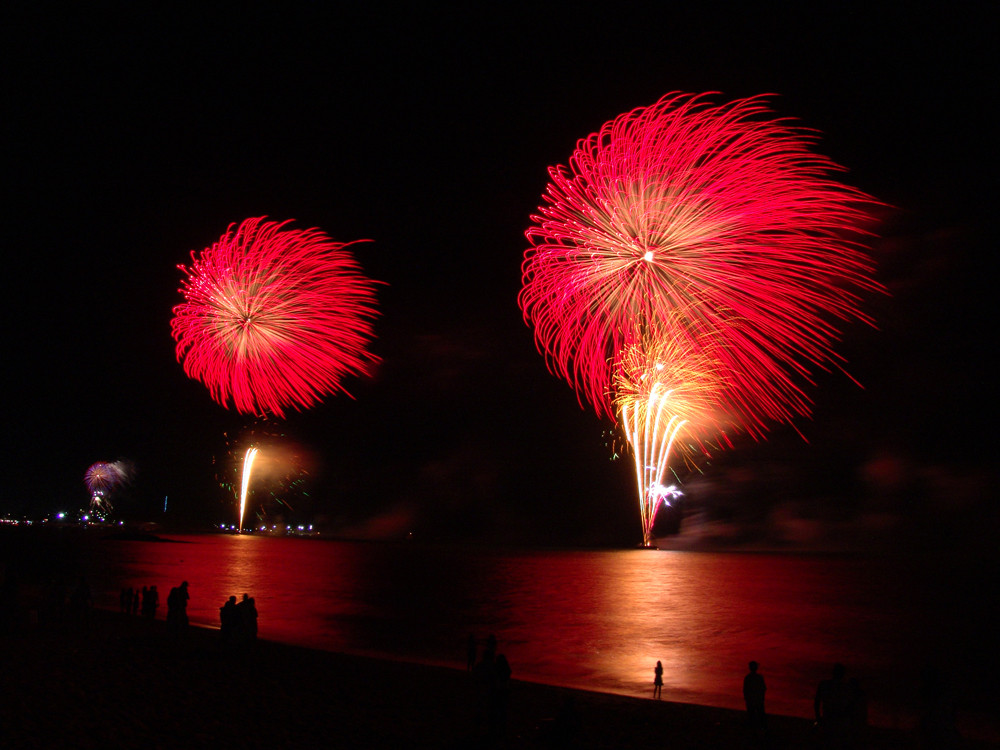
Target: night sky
[134,137]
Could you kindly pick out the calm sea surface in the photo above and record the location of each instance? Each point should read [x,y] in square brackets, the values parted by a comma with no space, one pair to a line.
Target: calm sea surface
[600,620]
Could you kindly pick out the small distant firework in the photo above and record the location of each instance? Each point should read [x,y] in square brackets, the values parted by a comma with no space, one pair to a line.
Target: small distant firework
[101,477]
[274,317]
[101,480]
[689,265]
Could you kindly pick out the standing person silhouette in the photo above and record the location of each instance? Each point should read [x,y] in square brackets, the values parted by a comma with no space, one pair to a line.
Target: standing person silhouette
[177,601]
[498,699]
[832,706]
[484,680]
[242,619]
[658,681]
[471,651]
[228,621]
[251,619]
[753,695]
[154,602]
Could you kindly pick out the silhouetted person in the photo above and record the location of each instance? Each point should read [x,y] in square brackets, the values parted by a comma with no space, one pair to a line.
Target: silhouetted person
[177,601]
[251,619]
[658,681]
[150,601]
[499,695]
[753,695]
[471,651]
[136,599]
[484,678]
[246,620]
[832,706]
[228,621]
[241,619]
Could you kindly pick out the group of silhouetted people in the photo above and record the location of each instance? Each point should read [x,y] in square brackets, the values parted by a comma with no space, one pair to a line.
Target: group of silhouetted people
[134,601]
[841,709]
[840,705]
[238,621]
[491,675]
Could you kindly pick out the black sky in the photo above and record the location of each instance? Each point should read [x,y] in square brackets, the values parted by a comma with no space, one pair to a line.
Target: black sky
[135,136]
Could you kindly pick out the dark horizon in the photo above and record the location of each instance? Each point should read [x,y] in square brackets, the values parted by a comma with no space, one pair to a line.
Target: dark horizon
[137,137]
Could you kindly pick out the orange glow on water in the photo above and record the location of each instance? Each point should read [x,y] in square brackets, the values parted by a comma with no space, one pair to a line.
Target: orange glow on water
[596,620]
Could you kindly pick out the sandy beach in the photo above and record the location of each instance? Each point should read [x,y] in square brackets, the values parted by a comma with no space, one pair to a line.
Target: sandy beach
[122,681]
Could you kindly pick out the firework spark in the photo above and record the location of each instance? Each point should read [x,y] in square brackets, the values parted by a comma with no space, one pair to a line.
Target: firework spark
[711,213]
[274,318]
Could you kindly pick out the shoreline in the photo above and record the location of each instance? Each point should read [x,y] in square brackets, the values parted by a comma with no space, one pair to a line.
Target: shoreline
[120,680]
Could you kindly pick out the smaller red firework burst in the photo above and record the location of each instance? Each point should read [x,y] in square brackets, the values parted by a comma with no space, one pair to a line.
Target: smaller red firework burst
[274,317]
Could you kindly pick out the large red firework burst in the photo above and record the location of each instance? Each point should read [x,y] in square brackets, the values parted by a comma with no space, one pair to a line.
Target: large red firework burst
[715,222]
[274,317]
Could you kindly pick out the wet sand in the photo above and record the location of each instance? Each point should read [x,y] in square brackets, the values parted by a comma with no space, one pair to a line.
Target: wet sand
[122,681]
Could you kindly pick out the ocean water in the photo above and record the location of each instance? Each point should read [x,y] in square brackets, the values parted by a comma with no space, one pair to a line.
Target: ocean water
[600,620]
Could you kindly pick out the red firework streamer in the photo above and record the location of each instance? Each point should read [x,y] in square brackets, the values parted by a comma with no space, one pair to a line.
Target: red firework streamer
[274,317]
[717,216]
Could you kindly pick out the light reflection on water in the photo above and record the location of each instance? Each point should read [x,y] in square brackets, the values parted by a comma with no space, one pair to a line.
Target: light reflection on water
[593,619]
